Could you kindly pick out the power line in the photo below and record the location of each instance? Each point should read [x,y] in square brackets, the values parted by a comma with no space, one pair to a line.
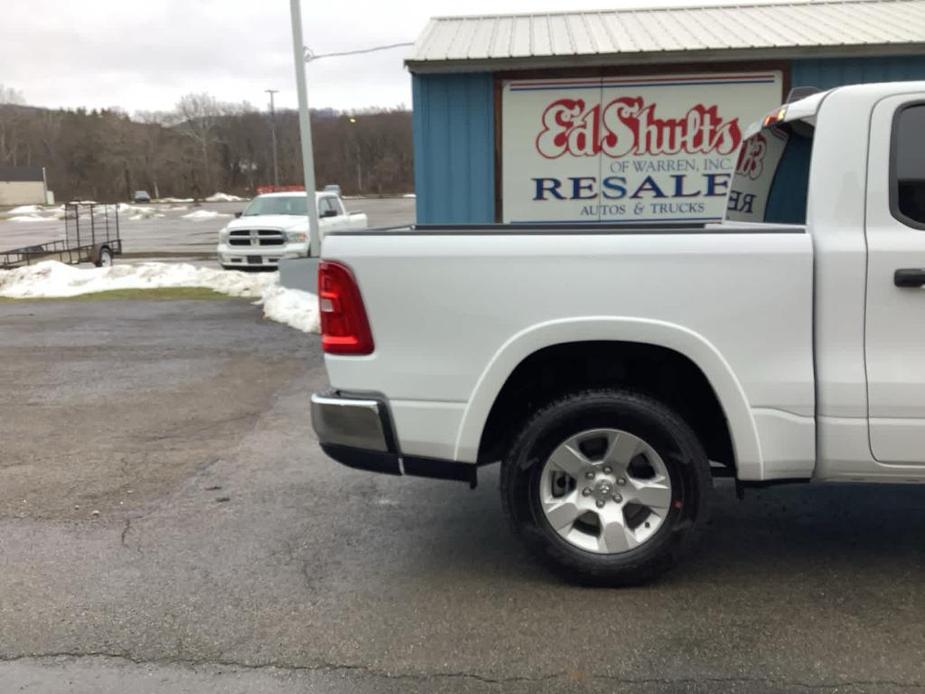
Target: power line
[310,55]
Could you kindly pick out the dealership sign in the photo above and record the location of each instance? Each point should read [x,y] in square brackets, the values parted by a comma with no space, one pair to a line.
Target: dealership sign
[626,148]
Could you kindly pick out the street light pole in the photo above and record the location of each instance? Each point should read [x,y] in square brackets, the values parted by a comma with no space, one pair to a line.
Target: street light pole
[305,127]
[271,92]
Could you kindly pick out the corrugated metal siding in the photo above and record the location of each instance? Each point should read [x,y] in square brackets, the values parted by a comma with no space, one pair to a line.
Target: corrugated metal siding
[557,37]
[826,73]
[453,121]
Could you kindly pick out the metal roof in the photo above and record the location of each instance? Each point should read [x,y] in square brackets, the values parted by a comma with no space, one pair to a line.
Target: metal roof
[22,173]
[708,33]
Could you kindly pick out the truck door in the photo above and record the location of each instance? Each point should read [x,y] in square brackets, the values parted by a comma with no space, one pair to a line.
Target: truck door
[895,317]
[342,215]
[328,213]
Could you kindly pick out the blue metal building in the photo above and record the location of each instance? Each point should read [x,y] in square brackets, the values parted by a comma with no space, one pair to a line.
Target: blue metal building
[459,65]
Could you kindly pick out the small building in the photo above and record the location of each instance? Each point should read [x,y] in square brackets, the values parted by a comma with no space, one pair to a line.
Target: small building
[626,115]
[23,185]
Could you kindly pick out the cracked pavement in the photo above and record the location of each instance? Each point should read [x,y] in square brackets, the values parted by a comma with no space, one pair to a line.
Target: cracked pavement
[228,555]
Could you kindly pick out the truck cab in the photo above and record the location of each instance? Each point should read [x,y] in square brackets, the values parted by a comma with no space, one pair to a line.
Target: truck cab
[850,165]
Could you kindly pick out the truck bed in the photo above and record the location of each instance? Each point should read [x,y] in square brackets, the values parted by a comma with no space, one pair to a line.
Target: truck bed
[453,309]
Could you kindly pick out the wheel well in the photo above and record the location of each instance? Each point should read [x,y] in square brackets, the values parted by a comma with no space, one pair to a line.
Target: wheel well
[658,371]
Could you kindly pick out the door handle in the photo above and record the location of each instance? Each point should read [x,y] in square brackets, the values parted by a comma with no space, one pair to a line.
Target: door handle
[909,277]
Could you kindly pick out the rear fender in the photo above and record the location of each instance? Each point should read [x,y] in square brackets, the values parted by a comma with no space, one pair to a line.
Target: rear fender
[605,328]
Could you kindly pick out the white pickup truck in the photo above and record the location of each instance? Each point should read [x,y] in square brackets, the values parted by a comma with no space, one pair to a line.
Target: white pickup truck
[615,370]
[275,226]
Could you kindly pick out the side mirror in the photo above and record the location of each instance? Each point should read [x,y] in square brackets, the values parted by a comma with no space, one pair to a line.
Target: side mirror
[238,213]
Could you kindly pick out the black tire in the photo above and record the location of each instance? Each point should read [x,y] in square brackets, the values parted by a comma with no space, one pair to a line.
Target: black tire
[650,420]
[104,258]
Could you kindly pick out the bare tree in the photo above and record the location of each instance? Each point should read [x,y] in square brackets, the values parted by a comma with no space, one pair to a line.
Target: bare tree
[10,124]
[8,95]
[154,150]
[197,116]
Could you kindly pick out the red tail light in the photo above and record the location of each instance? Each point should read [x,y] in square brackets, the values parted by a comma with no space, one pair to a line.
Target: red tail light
[344,326]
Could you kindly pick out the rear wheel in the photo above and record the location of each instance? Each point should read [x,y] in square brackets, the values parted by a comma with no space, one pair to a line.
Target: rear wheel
[607,486]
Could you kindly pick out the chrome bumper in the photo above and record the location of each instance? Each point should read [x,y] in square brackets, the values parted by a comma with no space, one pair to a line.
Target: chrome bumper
[357,423]
[358,433]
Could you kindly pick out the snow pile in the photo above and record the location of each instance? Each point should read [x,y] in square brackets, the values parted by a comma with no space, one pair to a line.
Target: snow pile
[295,308]
[50,279]
[29,218]
[199,215]
[174,200]
[25,209]
[33,213]
[54,279]
[224,197]
[136,212]
[409,196]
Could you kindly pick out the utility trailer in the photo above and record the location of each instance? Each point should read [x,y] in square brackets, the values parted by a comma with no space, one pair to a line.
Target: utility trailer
[91,235]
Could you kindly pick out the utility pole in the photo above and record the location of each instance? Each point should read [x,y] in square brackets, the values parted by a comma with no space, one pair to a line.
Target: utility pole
[305,127]
[271,92]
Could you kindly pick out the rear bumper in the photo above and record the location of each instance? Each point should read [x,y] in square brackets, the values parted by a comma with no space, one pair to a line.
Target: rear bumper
[357,431]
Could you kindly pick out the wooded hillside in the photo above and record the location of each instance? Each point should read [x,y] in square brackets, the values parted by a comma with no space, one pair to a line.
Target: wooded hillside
[200,147]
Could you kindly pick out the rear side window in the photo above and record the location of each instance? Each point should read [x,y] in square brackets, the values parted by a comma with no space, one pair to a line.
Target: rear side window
[772,176]
[907,185]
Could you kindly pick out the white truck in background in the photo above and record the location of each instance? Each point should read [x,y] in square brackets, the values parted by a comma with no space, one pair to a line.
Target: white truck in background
[275,226]
[615,370]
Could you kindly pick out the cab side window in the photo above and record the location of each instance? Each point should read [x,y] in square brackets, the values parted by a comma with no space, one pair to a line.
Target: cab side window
[327,207]
[907,187]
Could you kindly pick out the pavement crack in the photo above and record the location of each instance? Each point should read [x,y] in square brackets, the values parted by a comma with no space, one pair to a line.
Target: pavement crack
[303,565]
[130,526]
[193,431]
[324,666]
[789,684]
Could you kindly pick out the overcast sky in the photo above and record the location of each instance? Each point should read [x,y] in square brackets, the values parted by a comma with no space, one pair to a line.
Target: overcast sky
[145,54]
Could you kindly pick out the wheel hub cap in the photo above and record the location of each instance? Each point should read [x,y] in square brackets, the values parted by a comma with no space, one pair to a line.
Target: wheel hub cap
[605,491]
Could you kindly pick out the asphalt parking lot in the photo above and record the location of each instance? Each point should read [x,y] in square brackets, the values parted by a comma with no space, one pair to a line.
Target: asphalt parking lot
[169,524]
[173,237]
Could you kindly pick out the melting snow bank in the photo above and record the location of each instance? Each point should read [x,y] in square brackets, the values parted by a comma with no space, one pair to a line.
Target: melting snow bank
[28,218]
[224,197]
[204,214]
[137,212]
[25,209]
[295,308]
[50,279]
